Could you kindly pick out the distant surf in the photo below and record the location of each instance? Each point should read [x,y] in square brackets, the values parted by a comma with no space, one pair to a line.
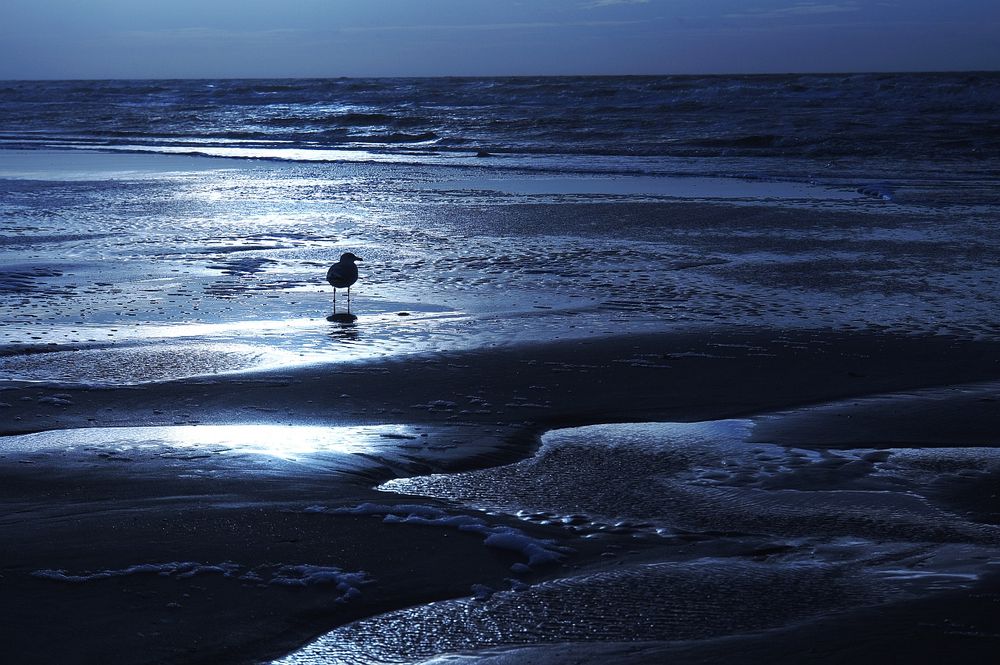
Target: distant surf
[616,123]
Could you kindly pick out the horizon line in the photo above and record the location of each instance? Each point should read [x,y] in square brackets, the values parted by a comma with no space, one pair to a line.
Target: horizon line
[505,76]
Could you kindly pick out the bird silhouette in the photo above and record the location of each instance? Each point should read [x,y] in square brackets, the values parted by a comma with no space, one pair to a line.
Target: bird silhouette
[342,275]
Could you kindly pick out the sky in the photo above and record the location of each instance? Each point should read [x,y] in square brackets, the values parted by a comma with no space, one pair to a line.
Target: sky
[87,39]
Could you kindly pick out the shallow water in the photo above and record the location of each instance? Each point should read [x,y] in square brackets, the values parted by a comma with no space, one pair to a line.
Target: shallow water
[708,536]
[760,203]
[143,258]
[192,218]
[227,452]
[689,601]
[672,478]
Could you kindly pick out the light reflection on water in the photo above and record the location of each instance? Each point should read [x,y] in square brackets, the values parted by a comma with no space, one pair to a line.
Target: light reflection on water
[101,355]
[217,255]
[843,528]
[152,352]
[284,442]
[129,365]
[364,453]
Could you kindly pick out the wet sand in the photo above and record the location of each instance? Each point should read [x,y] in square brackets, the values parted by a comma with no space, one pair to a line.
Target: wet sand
[682,376]
[249,520]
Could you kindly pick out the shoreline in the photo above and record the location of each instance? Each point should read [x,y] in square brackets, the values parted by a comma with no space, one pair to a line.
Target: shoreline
[80,512]
[690,387]
[686,376]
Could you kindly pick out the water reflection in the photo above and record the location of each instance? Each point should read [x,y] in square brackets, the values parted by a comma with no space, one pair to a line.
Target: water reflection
[287,442]
[282,441]
[345,328]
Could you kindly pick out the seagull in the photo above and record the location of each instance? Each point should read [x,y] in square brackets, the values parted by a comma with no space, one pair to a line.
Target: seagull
[341,275]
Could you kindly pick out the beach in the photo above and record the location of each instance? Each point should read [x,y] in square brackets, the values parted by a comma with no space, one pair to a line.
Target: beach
[681,400]
[81,506]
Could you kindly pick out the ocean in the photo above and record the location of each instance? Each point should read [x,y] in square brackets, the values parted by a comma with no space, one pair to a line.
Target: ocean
[638,369]
[146,217]
[879,124]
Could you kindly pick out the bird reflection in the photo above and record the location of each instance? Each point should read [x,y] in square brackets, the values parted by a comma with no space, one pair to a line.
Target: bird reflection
[346,329]
[342,317]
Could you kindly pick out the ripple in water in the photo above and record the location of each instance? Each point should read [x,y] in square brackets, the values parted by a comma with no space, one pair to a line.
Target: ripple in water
[655,602]
[683,477]
[132,365]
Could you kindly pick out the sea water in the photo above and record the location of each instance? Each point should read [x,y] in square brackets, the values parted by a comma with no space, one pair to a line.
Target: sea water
[158,229]
[742,538]
[640,123]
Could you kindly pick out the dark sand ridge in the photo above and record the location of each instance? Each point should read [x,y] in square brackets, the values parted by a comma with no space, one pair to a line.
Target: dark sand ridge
[56,517]
[683,376]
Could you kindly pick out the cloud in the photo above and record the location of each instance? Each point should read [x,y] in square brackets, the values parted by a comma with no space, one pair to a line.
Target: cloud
[798,9]
[470,27]
[207,35]
[609,3]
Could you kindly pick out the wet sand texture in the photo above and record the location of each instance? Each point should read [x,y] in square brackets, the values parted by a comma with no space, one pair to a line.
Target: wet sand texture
[152,550]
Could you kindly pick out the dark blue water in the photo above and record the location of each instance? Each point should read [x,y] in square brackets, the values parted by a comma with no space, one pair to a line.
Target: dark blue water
[874,122]
[491,211]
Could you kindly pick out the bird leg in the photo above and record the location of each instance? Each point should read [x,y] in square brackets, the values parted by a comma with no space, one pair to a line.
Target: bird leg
[348,300]
[334,300]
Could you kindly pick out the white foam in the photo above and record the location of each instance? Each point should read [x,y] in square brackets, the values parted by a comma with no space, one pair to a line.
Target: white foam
[537,551]
[672,601]
[347,583]
[174,569]
[668,478]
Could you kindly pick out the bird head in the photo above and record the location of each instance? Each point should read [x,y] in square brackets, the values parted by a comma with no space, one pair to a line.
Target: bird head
[349,258]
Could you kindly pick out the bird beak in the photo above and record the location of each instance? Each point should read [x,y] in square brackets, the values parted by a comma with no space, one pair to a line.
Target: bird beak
[358,258]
